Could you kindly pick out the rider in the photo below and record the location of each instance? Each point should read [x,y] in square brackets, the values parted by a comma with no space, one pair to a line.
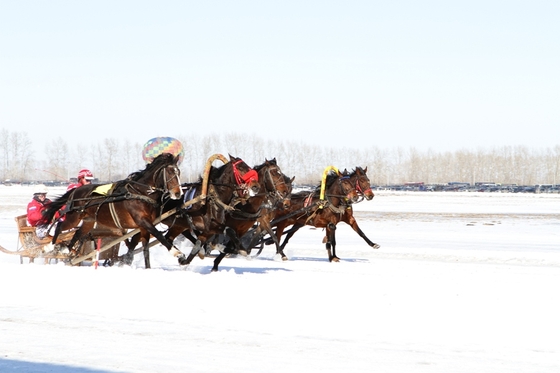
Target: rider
[84,177]
[34,211]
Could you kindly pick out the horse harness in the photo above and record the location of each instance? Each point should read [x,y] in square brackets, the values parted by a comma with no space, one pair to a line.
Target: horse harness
[110,198]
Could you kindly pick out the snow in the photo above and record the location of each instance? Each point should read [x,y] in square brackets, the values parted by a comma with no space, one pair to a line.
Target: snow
[463,282]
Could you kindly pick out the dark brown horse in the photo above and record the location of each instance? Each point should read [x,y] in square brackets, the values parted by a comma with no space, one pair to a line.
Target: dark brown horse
[127,204]
[275,193]
[228,187]
[308,208]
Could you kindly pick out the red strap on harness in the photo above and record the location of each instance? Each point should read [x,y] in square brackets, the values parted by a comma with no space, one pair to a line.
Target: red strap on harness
[247,177]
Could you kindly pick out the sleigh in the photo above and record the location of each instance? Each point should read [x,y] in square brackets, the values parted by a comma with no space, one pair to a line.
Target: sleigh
[30,246]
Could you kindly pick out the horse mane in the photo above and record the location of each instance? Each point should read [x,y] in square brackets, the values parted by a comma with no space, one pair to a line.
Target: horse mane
[332,177]
[265,163]
[359,170]
[214,173]
[161,160]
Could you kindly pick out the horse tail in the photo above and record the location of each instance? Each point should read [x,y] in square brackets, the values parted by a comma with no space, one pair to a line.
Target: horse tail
[52,208]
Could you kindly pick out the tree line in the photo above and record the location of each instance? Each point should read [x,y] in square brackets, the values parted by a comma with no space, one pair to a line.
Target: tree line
[113,159]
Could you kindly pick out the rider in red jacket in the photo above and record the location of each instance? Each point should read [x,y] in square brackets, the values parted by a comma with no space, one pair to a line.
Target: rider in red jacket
[84,177]
[34,209]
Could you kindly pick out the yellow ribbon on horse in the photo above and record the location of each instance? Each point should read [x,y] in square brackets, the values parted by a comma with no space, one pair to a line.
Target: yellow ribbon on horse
[324,180]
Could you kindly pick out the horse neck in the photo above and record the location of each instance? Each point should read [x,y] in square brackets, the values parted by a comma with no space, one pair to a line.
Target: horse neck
[264,179]
[334,193]
[225,183]
[147,181]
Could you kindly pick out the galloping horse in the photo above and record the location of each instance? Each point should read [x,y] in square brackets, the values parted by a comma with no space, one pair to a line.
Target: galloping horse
[229,186]
[275,194]
[127,204]
[308,209]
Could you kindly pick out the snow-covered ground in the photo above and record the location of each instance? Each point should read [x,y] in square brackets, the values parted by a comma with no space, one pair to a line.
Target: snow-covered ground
[463,282]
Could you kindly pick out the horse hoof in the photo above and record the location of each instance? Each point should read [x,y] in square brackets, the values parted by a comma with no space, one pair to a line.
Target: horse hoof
[242,252]
[126,260]
[335,259]
[201,254]
[182,260]
[284,258]
[375,246]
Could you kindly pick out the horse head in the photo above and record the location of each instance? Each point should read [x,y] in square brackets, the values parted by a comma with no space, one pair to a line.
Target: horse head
[166,175]
[340,185]
[347,187]
[363,185]
[275,183]
[246,178]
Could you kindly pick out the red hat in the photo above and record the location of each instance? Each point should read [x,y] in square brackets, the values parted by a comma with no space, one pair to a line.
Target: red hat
[85,174]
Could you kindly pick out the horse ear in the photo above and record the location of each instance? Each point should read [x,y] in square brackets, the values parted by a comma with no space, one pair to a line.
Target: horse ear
[365,170]
[292,180]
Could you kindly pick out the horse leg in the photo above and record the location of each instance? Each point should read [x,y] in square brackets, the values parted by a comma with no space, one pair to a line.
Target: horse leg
[265,227]
[288,234]
[131,245]
[57,231]
[331,242]
[75,238]
[257,235]
[165,242]
[217,261]
[351,221]
[229,249]
[279,249]
[146,252]
[234,246]
[194,252]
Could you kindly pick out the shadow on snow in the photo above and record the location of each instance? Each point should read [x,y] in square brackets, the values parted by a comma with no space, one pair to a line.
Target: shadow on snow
[240,270]
[8,365]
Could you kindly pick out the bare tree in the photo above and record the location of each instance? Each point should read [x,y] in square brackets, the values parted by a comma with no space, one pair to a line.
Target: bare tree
[57,159]
[107,163]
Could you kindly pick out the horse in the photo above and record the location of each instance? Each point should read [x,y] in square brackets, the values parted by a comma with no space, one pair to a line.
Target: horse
[275,195]
[308,209]
[229,186]
[134,202]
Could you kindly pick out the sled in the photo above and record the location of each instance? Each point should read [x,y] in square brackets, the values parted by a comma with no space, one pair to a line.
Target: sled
[30,246]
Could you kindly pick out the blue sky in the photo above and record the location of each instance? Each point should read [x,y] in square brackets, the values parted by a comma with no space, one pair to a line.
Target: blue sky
[440,75]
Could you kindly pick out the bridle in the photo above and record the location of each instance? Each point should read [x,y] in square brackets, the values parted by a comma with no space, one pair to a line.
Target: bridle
[175,172]
[273,192]
[243,180]
[361,192]
[162,171]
